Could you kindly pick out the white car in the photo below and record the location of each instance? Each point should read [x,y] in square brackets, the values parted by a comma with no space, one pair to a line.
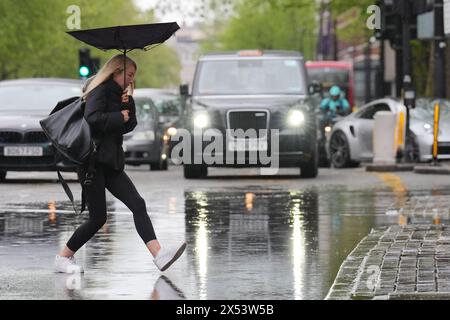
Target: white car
[351,141]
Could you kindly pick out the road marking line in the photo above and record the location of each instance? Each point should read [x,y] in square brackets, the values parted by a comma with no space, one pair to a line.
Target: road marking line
[393,181]
[397,186]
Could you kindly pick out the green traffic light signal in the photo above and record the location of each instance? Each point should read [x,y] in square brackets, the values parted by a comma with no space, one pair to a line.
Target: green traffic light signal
[84,71]
[85,63]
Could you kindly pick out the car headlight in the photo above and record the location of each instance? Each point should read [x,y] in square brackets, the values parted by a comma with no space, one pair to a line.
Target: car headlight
[201,120]
[144,135]
[172,131]
[430,129]
[296,118]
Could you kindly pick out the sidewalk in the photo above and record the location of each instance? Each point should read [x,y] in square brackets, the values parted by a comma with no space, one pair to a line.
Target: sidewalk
[441,168]
[411,262]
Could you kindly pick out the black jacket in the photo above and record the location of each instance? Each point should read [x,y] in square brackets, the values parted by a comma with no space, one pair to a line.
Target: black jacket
[103,113]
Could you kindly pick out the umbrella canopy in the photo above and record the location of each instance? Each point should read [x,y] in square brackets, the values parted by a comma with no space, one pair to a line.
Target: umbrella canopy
[127,38]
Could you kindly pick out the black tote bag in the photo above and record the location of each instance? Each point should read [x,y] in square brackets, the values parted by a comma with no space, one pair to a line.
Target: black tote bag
[68,130]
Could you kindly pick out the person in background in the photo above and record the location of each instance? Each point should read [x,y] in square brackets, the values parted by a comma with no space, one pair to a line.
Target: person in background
[335,105]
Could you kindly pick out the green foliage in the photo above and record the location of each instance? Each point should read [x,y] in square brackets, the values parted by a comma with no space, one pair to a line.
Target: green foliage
[271,24]
[422,73]
[340,6]
[33,42]
[357,24]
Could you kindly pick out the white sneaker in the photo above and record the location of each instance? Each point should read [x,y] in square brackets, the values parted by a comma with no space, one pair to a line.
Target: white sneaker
[67,265]
[167,256]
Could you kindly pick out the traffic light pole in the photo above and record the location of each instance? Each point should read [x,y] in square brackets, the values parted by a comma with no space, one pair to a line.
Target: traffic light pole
[368,73]
[409,98]
[381,86]
[439,49]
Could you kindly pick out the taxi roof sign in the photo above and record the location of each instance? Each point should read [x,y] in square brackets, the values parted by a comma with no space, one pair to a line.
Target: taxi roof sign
[250,53]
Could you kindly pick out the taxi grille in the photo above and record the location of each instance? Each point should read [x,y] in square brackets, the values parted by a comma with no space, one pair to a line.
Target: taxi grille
[247,120]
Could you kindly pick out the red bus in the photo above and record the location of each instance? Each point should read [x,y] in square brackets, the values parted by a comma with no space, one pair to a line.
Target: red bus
[331,73]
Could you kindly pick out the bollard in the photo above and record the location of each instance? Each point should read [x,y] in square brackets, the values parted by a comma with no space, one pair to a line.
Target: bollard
[384,138]
[401,130]
[436,133]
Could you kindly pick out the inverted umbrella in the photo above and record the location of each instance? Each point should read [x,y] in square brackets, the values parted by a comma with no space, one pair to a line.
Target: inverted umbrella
[127,38]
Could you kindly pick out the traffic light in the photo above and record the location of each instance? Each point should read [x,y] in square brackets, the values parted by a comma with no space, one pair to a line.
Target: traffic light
[85,70]
[390,23]
[391,15]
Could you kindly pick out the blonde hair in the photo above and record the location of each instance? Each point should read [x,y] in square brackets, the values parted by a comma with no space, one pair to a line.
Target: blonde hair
[112,66]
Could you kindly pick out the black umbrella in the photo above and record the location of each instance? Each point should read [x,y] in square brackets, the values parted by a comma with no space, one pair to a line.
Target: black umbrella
[127,38]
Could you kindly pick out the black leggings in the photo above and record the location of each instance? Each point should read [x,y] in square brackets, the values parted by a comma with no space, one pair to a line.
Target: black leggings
[120,186]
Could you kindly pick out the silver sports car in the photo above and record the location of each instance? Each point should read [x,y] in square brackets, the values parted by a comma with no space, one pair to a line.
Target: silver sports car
[351,140]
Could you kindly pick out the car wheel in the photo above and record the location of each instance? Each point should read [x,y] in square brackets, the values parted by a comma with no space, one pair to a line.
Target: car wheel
[311,168]
[194,171]
[340,151]
[2,175]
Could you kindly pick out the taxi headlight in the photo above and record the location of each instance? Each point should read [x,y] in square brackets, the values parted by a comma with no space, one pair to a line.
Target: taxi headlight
[201,120]
[296,118]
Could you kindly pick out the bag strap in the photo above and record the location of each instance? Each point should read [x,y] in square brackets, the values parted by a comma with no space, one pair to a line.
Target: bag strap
[70,194]
[87,180]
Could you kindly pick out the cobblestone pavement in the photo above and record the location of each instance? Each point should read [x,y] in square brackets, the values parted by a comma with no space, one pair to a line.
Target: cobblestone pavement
[422,208]
[409,262]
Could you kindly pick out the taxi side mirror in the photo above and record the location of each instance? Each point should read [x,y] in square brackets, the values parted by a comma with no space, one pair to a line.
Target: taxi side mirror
[315,88]
[184,90]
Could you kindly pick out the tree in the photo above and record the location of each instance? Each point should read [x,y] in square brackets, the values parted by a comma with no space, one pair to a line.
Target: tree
[272,24]
[33,41]
[356,28]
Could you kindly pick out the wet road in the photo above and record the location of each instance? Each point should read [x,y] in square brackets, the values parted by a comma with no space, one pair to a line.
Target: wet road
[248,237]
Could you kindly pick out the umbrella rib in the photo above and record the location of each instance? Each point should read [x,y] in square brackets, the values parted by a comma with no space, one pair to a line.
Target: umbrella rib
[148,48]
[152,46]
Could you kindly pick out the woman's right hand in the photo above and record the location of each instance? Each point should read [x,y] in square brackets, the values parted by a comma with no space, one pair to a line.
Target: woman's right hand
[125,98]
[126,116]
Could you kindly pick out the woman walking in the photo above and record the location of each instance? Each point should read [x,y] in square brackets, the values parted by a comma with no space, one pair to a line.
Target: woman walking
[105,95]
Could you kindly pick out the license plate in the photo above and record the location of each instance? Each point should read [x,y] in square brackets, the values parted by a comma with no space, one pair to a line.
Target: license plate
[23,151]
[248,145]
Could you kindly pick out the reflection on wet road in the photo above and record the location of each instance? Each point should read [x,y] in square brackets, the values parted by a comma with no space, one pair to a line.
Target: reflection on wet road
[248,243]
